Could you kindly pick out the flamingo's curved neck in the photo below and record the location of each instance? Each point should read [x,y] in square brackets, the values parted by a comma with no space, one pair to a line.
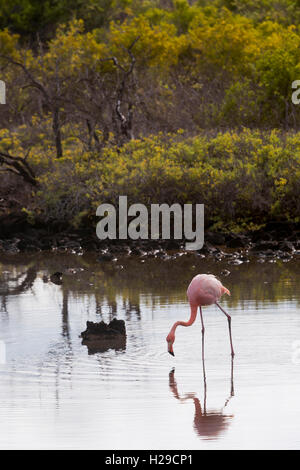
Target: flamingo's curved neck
[186,323]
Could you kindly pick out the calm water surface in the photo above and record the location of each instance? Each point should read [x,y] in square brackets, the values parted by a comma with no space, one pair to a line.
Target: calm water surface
[53,394]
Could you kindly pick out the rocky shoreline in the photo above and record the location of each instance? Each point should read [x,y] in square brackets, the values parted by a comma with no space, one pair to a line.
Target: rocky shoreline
[279,240]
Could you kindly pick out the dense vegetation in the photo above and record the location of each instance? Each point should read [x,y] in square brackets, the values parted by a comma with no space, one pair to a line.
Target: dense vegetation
[165,101]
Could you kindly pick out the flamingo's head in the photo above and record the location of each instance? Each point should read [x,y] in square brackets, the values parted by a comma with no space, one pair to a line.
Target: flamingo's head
[170,340]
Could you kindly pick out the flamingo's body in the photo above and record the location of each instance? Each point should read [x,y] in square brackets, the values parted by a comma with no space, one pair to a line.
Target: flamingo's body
[204,289]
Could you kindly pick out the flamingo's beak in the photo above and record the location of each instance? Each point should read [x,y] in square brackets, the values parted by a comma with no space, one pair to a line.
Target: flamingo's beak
[170,348]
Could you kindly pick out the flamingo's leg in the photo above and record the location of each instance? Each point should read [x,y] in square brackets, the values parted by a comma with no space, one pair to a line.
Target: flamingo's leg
[203,363]
[229,326]
[203,329]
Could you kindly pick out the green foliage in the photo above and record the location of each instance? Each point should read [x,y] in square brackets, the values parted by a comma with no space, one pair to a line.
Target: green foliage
[213,53]
[282,11]
[201,66]
[32,17]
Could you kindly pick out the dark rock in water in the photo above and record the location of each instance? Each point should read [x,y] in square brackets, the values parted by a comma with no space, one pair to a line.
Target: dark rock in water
[106,256]
[135,250]
[268,253]
[56,278]
[244,258]
[161,254]
[283,255]
[264,245]
[99,337]
[235,261]
[286,246]
[208,248]
[115,327]
[225,272]
[219,256]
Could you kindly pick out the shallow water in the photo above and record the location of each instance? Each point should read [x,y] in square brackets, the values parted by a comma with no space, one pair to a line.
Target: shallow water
[54,394]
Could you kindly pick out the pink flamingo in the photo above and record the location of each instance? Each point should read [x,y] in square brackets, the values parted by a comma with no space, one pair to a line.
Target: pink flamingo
[204,289]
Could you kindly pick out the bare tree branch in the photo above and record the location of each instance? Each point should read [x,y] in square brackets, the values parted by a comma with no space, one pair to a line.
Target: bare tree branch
[19,167]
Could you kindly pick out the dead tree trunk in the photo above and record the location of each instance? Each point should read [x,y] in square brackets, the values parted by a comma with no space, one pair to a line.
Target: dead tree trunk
[57,133]
[121,120]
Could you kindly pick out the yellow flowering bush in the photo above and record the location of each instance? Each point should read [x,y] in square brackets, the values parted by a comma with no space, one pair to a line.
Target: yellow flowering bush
[243,178]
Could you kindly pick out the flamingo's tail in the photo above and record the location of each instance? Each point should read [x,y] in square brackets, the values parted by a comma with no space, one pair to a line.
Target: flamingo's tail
[225,290]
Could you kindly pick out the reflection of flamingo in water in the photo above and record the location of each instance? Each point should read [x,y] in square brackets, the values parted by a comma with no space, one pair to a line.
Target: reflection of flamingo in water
[204,289]
[207,424]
